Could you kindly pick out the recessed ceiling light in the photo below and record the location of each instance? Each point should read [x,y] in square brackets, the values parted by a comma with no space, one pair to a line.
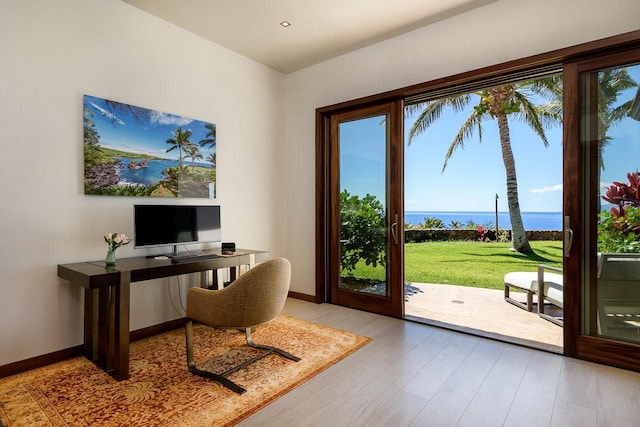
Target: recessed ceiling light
[285,24]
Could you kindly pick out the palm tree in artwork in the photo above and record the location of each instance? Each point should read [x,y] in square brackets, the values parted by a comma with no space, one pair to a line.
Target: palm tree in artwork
[210,138]
[180,141]
[193,153]
[211,158]
[497,103]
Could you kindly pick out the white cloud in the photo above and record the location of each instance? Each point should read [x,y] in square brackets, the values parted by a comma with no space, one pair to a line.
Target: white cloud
[169,119]
[557,187]
[114,119]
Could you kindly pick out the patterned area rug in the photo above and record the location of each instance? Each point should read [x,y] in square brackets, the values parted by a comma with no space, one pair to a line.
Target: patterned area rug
[162,392]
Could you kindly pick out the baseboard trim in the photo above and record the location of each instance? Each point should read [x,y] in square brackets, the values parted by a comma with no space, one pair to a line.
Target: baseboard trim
[304,297]
[156,329]
[69,353]
[39,361]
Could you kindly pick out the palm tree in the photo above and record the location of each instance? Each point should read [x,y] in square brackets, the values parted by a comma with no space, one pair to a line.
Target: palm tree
[180,141]
[611,83]
[432,222]
[455,225]
[497,103]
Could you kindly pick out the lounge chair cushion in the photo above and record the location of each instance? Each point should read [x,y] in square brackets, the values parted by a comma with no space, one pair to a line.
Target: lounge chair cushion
[527,281]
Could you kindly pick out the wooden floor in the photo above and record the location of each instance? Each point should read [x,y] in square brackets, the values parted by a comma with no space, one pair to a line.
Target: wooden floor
[420,375]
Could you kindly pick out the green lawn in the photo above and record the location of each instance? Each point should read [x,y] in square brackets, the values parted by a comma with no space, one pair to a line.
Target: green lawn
[468,263]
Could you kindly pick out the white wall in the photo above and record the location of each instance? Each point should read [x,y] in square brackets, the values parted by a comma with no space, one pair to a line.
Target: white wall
[52,53]
[501,31]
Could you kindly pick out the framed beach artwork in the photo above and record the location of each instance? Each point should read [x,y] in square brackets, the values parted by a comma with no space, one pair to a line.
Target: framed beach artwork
[134,151]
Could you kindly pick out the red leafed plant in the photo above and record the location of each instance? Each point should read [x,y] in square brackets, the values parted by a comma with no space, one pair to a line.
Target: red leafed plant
[481,232]
[622,195]
[619,228]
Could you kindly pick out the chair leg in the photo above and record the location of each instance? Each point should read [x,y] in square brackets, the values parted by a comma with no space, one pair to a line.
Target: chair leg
[221,378]
[525,306]
[250,343]
[206,374]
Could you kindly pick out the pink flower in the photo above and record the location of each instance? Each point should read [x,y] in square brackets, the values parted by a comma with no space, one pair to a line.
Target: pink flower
[115,240]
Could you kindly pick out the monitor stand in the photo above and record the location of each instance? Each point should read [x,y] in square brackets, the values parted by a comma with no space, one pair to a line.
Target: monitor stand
[174,252]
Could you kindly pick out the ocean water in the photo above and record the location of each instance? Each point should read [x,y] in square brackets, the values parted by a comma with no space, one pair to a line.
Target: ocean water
[531,220]
[152,173]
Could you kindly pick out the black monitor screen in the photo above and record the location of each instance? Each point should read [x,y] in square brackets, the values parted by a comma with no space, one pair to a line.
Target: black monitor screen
[164,225]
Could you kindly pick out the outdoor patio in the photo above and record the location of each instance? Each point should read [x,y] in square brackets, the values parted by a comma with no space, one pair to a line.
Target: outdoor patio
[482,312]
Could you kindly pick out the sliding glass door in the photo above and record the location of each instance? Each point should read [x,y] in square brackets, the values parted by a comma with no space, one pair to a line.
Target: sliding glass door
[359,194]
[605,259]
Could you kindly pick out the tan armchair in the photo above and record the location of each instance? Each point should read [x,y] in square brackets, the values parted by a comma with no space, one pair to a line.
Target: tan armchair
[255,298]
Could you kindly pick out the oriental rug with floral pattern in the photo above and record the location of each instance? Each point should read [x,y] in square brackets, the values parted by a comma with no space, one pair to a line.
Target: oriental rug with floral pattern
[162,392]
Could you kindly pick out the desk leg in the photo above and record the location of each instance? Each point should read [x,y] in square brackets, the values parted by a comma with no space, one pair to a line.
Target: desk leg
[101,337]
[214,280]
[238,270]
[246,267]
[122,299]
[89,324]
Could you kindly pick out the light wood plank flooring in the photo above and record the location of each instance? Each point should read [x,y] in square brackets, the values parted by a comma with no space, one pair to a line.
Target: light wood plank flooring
[420,375]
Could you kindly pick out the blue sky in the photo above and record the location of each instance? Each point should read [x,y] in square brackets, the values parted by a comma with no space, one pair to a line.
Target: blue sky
[119,130]
[475,174]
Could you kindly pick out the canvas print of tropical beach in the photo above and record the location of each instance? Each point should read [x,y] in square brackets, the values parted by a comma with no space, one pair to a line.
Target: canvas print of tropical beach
[134,151]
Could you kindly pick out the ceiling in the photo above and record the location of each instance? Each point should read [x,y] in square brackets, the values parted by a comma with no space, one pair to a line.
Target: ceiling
[320,29]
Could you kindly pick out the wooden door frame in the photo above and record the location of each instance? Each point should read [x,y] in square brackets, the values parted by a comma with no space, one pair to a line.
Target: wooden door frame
[328,194]
[571,175]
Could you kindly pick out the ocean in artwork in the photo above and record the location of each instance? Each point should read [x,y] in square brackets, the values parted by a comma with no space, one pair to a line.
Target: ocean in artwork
[152,172]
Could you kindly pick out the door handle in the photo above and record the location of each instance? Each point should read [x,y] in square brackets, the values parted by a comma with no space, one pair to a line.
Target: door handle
[394,229]
[568,236]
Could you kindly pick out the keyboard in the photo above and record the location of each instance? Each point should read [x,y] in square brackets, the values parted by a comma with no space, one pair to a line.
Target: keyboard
[181,259]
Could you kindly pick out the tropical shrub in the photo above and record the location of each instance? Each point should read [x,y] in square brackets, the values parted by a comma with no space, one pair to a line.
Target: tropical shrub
[432,223]
[362,231]
[482,233]
[619,227]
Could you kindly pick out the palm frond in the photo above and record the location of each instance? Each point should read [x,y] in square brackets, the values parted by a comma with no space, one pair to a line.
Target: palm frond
[431,111]
[466,131]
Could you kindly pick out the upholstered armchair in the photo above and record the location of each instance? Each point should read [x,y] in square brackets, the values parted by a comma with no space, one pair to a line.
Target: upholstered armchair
[254,298]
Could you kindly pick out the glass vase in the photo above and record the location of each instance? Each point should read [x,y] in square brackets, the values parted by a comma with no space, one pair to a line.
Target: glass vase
[110,259]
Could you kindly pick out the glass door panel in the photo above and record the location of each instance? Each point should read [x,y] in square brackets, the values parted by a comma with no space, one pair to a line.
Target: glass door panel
[366,205]
[363,212]
[610,128]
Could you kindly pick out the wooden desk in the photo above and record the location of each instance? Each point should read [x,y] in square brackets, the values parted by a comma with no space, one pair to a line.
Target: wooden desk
[107,298]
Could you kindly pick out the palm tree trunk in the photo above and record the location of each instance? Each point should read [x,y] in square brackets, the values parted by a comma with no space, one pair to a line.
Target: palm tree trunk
[519,240]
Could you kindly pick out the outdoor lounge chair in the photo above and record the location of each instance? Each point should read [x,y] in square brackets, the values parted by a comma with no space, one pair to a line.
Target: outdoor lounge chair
[552,292]
[619,295]
[527,282]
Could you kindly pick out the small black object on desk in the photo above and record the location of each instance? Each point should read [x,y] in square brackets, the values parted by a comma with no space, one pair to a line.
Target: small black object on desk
[228,248]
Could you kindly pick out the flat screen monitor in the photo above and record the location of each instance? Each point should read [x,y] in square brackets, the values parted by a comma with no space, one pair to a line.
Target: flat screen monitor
[173,225]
